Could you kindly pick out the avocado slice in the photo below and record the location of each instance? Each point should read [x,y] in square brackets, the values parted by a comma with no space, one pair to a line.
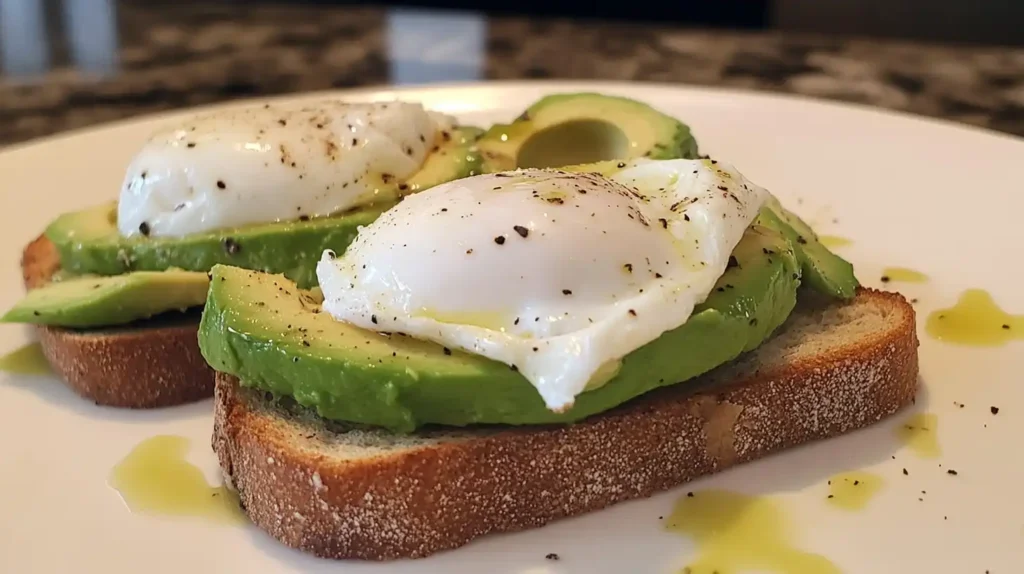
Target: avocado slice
[89,242]
[85,301]
[823,270]
[260,328]
[569,129]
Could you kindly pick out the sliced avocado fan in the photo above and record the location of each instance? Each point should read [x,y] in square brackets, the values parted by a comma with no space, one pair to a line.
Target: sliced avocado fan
[567,129]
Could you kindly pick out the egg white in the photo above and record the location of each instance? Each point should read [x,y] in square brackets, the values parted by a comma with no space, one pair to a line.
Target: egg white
[263,164]
[557,274]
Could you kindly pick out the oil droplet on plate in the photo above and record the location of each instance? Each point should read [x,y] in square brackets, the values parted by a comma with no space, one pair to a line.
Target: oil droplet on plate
[975,320]
[920,433]
[853,490]
[833,241]
[28,360]
[736,533]
[903,275]
[155,478]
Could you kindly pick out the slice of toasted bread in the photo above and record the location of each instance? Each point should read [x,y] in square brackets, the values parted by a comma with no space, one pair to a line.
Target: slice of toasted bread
[146,364]
[342,492]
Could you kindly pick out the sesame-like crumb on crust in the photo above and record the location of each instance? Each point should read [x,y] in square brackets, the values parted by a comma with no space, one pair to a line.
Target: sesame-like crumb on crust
[342,492]
[147,364]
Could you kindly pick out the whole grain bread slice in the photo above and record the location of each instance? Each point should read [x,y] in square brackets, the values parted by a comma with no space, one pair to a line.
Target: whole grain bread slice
[343,492]
[145,364]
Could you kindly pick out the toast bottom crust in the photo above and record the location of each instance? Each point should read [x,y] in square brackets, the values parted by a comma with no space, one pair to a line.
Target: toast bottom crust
[148,364]
[140,367]
[341,493]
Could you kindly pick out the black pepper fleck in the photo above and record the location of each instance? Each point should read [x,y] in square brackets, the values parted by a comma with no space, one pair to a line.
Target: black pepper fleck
[144,228]
[500,240]
[447,351]
[221,184]
[231,246]
[995,410]
[566,292]
[522,231]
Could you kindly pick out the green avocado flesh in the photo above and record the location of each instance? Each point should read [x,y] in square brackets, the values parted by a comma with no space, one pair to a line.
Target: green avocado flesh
[259,328]
[823,270]
[568,129]
[86,301]
[89,242]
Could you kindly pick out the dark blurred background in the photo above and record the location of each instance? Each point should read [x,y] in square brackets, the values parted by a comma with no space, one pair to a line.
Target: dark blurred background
[974,21]
[71,63]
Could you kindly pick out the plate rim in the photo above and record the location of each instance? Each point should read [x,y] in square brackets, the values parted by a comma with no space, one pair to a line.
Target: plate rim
[368,91]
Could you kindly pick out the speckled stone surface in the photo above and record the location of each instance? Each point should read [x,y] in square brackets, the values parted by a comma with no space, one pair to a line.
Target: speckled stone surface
[169,57]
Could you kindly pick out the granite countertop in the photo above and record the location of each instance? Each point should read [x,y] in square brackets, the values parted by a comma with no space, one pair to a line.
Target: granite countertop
[137,59]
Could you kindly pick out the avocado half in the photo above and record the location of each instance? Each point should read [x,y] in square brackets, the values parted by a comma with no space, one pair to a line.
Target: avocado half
[570,129]
[273,336]
[89,242]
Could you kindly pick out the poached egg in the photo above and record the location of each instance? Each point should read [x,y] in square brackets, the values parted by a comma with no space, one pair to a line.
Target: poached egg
[558,275]
[272,163]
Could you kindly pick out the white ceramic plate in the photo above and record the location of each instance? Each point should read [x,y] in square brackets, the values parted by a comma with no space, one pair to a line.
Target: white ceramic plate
[942,199]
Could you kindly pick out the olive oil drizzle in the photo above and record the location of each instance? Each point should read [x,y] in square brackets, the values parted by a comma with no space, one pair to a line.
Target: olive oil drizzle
[736,533]
[902,275]
[155,478]
[833,241]
[27,360]
[920,433]
[853,490]
[975,320]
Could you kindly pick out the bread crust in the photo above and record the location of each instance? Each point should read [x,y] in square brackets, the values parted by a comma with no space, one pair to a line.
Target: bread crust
[449,490]
[147,364]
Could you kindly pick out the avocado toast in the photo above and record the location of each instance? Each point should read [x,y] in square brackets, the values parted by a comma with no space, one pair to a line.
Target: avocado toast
[116,289]
[513,348]
[265,188]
